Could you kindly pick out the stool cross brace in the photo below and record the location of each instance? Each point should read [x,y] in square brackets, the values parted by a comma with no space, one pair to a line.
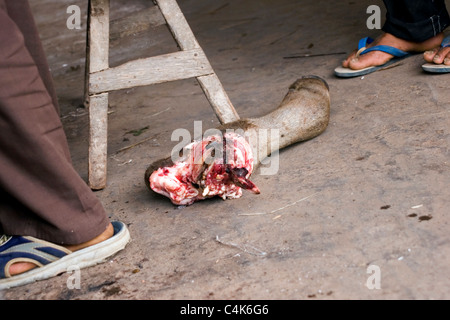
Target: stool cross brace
[189,62]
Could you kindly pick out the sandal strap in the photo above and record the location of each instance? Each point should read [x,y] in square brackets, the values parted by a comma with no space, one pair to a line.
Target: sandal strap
[28,249]
[362,44]
[446,42]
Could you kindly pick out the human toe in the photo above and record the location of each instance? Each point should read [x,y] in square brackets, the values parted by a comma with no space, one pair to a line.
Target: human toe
[346,62]
[430,54]
[441,55]
[447,57]
[371,59]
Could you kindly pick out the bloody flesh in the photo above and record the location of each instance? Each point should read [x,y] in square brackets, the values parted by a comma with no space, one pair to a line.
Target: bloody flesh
[218,165]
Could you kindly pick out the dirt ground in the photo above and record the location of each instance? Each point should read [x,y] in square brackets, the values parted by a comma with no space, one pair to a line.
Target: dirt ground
[363,204]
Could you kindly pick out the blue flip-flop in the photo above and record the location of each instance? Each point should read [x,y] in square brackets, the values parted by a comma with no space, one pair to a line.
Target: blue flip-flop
[438,68]
[362,44]
[52,259]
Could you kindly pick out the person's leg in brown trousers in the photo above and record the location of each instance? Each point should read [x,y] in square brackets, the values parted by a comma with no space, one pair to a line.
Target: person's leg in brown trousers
[42,194]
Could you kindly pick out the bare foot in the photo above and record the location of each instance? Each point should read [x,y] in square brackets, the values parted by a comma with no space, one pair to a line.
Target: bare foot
[377,58]
[438,55]
[21,267]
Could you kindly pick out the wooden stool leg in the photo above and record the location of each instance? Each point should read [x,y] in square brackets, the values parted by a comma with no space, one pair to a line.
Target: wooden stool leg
[218,98]
[98,140]
[185,38]
[97,59]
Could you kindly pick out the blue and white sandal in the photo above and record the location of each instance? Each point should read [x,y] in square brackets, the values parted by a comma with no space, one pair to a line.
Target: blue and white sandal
[52,259]
[438,68]
[397,53]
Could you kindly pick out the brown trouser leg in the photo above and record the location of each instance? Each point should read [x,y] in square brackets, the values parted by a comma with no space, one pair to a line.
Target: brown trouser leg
[41,193]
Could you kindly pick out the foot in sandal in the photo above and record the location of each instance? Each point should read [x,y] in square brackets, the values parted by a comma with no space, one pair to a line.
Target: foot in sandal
[24,259]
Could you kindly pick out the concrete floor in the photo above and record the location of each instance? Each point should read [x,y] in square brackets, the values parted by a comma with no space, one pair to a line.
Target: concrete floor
[376,181]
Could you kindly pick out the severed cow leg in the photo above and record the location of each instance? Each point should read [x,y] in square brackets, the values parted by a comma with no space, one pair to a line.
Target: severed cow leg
[221,164]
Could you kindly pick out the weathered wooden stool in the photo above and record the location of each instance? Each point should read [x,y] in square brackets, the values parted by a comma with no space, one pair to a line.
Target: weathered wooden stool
[189,62]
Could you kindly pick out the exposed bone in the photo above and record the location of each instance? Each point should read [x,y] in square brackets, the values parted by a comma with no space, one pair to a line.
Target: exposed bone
[303,114]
